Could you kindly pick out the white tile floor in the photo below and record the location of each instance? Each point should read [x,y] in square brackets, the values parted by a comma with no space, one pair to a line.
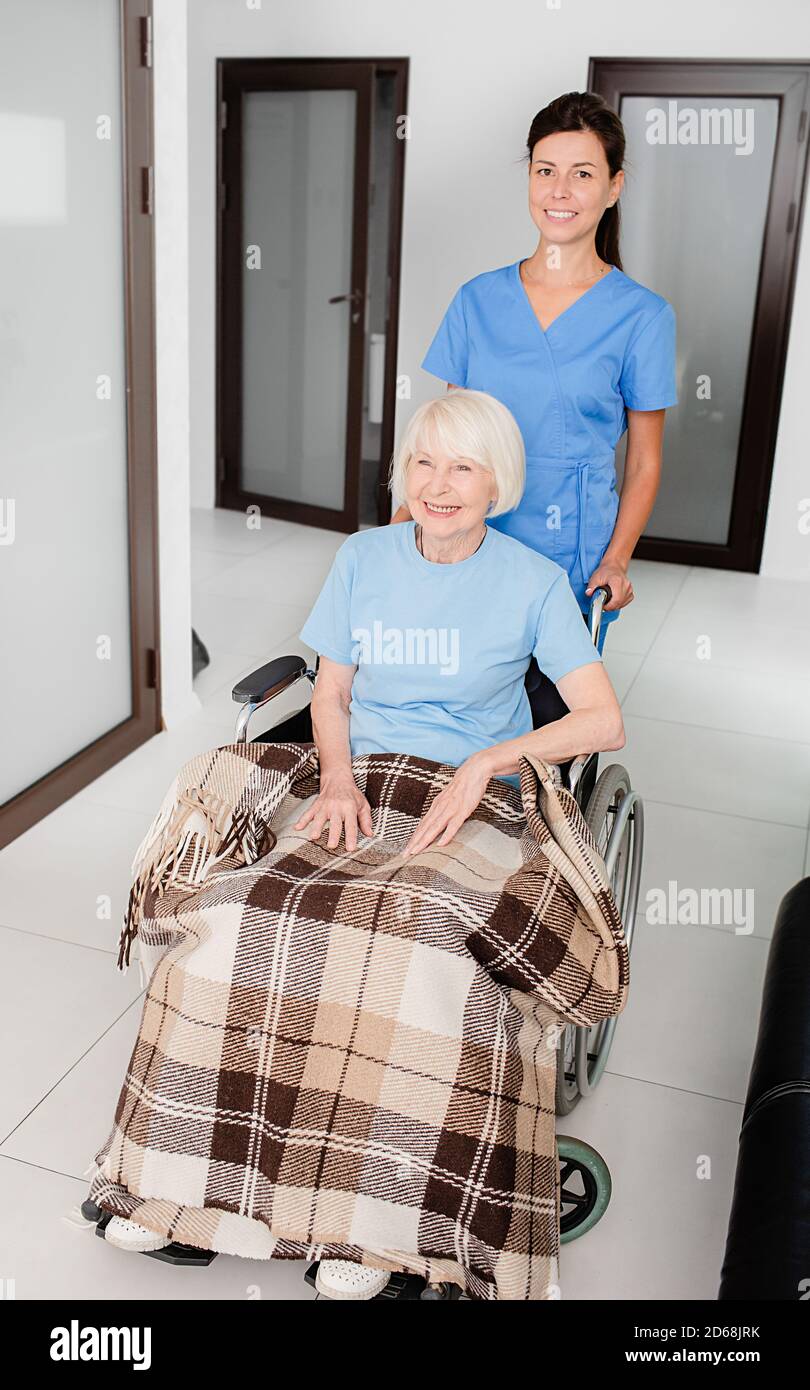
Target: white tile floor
[719,745]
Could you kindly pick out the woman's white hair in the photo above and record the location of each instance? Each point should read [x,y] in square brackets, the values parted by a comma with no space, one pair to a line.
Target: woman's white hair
[470,425]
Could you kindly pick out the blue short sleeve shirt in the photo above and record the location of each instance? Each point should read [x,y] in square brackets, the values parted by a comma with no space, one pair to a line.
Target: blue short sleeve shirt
[441,650]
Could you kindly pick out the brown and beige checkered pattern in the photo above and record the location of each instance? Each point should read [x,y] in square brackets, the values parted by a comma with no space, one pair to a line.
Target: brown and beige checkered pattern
[352,1056]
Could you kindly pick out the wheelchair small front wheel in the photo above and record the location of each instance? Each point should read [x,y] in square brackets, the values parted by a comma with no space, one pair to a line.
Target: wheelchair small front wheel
[585,1187]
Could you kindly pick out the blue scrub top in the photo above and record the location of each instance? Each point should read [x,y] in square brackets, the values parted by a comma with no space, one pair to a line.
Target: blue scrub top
[569,388]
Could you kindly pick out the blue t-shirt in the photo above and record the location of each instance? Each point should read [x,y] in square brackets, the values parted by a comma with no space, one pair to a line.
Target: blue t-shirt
[442,650]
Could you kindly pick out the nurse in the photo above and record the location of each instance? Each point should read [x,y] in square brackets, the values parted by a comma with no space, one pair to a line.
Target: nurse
[577,350]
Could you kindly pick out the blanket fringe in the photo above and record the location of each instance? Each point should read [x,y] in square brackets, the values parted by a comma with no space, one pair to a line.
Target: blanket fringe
[164,849]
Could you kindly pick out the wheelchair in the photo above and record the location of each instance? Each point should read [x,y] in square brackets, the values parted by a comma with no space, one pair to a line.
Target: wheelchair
[615,816]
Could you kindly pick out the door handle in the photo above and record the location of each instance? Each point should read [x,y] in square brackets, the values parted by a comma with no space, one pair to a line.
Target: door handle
[355,297]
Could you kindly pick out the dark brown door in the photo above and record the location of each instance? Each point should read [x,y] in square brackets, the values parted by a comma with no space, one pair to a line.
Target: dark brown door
[717,154]
[295,172]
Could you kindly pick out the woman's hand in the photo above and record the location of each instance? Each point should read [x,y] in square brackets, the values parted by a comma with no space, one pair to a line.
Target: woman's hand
[642,474]
[340,803]
[612,573]
[452,806]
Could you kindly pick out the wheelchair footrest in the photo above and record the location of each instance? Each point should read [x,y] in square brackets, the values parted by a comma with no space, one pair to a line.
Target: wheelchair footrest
[402,1286]
[172,1254]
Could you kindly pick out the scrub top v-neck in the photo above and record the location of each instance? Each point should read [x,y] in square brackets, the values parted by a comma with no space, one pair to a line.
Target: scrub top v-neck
[569,387]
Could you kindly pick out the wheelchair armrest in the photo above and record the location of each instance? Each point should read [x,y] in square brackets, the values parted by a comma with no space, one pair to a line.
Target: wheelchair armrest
[574,772]
[269,680]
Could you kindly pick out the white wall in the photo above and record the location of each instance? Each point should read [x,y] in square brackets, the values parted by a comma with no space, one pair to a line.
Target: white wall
[786,554]
[172,348]
[478,73]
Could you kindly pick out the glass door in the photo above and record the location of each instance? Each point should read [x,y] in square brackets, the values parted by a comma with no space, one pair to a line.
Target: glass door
[77,484]
[716,165]
[293,294]
[694,225]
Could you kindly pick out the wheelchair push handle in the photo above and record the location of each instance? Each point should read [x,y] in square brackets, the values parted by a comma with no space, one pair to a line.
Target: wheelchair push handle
[599,598]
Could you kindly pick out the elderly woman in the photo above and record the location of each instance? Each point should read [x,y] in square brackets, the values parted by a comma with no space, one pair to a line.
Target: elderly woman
[425,631]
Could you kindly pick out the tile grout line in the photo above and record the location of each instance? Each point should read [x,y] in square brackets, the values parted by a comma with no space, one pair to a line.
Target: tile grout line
[695,664]
[732,815]
[267,539]
[715,729]
[687,571]
[57,1172]
[709,810]
[71,1068]
[667,1086]
[641,923]
[60,940]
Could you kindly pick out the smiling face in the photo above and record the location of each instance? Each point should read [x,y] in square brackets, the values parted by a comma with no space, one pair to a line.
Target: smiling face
[570,186]
[447,495]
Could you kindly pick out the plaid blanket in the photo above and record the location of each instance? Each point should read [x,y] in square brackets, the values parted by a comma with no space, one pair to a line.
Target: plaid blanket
[352,1056]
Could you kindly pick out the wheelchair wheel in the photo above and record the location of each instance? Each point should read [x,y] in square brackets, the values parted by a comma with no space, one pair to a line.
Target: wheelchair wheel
[615,817]
[585,1187]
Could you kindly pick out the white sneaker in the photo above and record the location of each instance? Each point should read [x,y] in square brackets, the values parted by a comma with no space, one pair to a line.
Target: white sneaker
[128,1235]
[345,1279]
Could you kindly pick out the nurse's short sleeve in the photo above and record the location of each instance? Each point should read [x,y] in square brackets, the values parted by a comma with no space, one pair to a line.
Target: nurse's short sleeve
[328,628]
[448,353]
[647,380]
[562,641]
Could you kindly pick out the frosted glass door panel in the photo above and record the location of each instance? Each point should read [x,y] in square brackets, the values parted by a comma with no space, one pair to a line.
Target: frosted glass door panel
[298,162]
[693,223]
[64,547]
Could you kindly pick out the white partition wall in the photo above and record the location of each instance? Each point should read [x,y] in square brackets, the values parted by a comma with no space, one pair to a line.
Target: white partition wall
[64,566]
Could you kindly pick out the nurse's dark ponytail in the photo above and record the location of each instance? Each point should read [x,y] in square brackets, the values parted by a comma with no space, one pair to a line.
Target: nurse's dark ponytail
[587,111]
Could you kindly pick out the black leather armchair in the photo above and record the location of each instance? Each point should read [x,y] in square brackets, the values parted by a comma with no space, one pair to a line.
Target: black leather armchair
[768,1246]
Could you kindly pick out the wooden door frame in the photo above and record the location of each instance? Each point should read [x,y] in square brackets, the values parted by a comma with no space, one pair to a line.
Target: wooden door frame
[136,116]
[398,68]
[234,77]
[614,78]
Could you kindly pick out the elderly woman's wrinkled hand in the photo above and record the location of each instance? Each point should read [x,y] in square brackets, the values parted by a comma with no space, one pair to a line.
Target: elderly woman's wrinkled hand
[340,803]
[452,806]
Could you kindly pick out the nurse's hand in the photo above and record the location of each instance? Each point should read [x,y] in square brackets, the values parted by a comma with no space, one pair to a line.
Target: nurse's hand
[340,803]
[452,806]
[612,573]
